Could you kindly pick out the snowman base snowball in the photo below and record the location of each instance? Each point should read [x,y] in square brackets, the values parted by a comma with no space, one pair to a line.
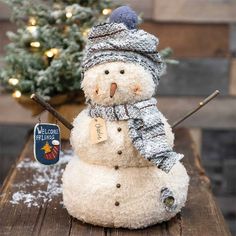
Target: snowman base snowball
[96,197]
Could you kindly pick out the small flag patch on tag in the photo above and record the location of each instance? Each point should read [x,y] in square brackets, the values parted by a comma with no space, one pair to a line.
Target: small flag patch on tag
[47,143]
[98,131]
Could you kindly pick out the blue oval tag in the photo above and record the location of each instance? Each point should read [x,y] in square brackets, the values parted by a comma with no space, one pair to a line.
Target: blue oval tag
[47,143]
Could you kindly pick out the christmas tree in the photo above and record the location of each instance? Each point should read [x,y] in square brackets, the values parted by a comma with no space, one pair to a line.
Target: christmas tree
[44,55]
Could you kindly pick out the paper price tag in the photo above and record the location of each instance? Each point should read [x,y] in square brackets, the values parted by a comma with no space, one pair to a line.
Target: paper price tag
[98,131]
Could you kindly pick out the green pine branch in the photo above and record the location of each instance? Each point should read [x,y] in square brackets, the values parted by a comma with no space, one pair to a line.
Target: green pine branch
[57,24]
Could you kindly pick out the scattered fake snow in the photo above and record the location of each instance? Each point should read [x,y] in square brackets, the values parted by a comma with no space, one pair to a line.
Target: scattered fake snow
[46,182]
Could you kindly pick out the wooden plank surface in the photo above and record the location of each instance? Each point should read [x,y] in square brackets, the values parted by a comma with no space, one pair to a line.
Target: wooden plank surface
[204,11]
[11,145]
[232,79]
[190,40]
[5,11]
[201,216]
[196,77]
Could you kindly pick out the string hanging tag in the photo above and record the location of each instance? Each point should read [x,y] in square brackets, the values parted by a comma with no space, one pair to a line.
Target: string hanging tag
[98,131]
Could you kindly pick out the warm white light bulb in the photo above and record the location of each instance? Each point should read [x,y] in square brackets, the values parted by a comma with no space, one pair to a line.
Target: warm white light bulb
[49,53]
[16,94]
[13,81]
[33,30]
[55,51]
[86,32]
[32,21]
[35,44]
[52,52]
[69,14]
[106,11]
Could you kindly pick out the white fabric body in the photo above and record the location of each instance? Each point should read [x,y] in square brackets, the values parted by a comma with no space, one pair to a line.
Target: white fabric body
[90,179]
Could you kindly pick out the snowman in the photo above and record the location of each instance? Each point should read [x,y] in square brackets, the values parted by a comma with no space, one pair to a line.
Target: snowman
[124,172]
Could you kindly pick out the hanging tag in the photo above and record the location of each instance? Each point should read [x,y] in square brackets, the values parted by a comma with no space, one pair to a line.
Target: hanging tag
[98,131]
[47,144]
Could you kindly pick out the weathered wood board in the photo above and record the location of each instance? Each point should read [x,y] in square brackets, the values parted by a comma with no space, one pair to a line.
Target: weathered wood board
[11,145]
[201,216]
[232,81]
[195,11]
[194,77]
[191,40]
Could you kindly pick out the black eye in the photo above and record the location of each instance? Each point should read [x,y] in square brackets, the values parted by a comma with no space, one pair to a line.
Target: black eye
[122,71]
[106,72]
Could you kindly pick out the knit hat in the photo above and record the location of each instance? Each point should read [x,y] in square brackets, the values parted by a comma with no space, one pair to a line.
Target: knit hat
[119,40]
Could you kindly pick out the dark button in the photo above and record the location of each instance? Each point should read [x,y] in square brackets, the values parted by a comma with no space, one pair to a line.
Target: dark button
[117,203]
[119,129]
[169,201]
[118,185]
[119,152]
[116,167]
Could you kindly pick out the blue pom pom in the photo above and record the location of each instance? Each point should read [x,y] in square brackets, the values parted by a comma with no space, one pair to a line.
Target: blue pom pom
[124,15]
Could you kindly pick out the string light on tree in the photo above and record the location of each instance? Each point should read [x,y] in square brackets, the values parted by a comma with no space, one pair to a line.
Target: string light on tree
[32,21]
[35,44]
[106,11]
[16,94]
[33,30]
[51,53]
[13,81]
[32,26]
[69,14]
[58,24]
[86,32]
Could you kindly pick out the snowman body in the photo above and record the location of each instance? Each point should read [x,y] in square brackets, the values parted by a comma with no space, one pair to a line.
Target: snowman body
[109,183]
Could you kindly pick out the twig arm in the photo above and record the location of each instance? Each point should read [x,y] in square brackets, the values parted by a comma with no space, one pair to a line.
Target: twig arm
[50,109]
[201,104]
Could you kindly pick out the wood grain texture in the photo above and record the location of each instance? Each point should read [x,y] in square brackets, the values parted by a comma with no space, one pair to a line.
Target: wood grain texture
[194,77]
[195,11]
[201,216]
[232,80]
[190,40]
[69,111]
[5,11]
[11,145]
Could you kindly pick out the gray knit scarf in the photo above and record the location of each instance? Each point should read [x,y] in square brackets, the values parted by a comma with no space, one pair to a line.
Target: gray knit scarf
[146,130]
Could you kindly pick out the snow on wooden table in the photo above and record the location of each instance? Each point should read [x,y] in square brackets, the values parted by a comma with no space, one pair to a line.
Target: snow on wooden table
[31,201]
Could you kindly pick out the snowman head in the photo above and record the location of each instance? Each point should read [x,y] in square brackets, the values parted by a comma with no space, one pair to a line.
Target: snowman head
[121,64]
[118,82]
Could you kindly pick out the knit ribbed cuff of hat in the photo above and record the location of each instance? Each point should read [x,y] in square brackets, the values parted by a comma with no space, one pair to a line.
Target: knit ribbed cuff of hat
[125,56]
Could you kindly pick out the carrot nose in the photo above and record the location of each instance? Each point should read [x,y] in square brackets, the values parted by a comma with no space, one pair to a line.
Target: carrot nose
[113,89]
